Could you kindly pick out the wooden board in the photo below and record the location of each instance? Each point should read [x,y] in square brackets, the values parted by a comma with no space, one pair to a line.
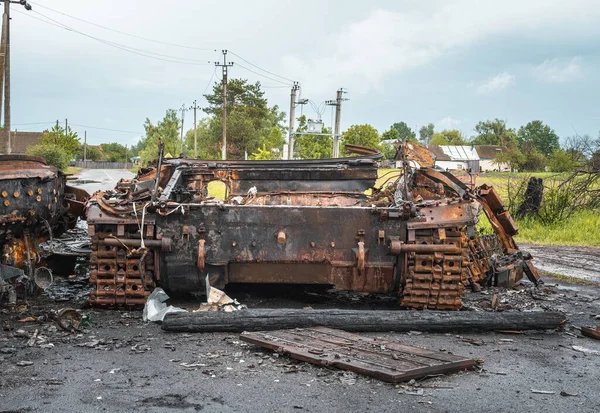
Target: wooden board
[389,361]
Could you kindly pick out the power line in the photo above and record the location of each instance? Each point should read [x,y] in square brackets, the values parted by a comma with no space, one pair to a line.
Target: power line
[260,68]
[139,52]
[125,33]
[132,49]
[210,80]
[158,41]
[33,123]
[106,129]
[260,74]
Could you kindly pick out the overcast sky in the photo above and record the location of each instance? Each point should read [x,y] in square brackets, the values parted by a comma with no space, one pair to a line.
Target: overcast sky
[451,62]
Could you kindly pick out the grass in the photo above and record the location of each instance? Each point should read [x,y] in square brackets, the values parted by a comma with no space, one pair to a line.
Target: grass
[581,229]
[568,279]
[217,189]
[71,170]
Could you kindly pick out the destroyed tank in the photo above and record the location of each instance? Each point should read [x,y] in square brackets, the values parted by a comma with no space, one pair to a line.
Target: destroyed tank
[36,204]
[300,222]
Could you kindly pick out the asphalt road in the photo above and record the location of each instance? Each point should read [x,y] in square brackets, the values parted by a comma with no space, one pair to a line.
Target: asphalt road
[93,180]
[121,364]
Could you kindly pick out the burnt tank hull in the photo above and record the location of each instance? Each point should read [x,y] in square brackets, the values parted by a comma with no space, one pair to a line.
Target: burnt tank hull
[292,222]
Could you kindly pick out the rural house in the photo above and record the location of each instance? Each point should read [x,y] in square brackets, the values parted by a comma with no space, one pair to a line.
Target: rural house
[487,158]
[20,141]
[455,157]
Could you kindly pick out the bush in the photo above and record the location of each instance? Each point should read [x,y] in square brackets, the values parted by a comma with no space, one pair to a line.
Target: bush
[534,161]
[561,161]
[53,154]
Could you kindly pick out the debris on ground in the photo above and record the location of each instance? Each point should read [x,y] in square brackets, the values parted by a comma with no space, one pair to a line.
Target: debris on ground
[591,332]
[385,360]
[24,363]
[586,351]
[156,307]
[543,391]
[217,300]
[68,319]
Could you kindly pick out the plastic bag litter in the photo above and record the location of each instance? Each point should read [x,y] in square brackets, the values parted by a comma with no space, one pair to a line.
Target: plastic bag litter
[156,309]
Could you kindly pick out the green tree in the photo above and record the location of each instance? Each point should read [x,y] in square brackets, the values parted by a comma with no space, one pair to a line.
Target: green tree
[388,150]
[363,135]
[167,130]
[448,137]
[312,146]
[208,146]
[494,132]
[534,161]
[426,133]
[390,135]
[66,140]
[92,153]
[539,136]
[263,154]
[561,161]
[594,162]
[250,121]
[512,157]
[53,154]
[115,152]
[404,132]
[137,148]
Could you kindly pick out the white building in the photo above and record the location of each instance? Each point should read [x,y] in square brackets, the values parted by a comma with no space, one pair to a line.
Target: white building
[487,155]
[455,157]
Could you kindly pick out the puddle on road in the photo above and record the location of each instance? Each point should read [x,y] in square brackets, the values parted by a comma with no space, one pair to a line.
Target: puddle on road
[84,181]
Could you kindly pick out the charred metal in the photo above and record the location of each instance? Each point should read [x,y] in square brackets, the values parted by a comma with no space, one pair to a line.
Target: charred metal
[36,204]
[300,222]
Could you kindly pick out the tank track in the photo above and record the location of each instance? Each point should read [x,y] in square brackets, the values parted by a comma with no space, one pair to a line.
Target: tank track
[437,280]
[121,276]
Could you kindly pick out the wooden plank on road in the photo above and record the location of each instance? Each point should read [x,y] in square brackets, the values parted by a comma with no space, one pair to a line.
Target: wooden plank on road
[385,360]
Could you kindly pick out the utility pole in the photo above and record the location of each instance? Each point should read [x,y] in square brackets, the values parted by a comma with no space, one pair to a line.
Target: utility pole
[224,66]
[84,147]
[183,109]
[292,120]
[195,107]
[5,46]
[338,118]
[6,75]
[66,126]
[57,131]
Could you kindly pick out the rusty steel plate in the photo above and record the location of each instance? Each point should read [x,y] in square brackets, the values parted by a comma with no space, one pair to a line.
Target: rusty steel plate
[385,360]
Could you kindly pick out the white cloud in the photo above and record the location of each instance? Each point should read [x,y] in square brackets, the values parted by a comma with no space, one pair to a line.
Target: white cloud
[496,84]
[363,54]
[557,71]
[448,123]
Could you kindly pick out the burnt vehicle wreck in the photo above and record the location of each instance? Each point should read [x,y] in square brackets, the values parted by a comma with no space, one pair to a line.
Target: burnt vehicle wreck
[36,205]
[300,222]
